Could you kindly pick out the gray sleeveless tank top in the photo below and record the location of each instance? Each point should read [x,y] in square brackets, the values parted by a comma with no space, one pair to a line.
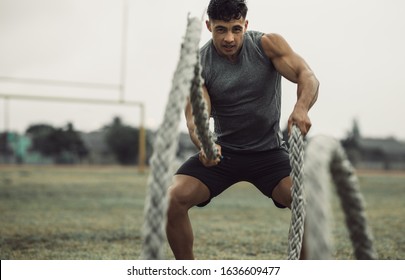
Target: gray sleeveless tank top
[245,96]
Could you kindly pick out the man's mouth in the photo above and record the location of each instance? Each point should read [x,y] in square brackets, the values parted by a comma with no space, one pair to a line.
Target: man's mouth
[228,47]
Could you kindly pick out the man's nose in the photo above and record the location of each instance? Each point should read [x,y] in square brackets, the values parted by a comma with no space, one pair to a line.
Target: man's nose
[229,37]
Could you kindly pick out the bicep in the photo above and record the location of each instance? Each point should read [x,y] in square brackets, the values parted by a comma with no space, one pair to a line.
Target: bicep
[288,63]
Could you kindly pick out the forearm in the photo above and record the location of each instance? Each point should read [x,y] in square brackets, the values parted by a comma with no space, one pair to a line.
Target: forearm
[307,90]
[206,161]
[307,94]
[193,136]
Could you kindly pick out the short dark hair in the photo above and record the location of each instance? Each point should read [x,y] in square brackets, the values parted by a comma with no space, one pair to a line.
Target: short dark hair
[227,10]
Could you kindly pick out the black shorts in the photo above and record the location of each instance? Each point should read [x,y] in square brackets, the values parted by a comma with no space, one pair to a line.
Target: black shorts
[263,169]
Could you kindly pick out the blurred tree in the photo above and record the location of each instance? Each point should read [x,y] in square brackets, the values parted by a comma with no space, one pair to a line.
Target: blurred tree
[123,141]
[41,136]
[62,144]
[73,143]
[5,149]
[351,143]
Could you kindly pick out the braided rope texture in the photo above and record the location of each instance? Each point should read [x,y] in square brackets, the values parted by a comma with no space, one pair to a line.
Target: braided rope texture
[200,113]
[153,231]
[296,143]
[353,205]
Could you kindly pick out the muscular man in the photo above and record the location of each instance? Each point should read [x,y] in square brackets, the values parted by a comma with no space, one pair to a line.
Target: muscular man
[242,73]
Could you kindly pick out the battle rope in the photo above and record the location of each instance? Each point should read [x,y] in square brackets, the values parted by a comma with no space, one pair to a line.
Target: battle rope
[352,203]
[325,161]
[166,143]
[200,113]
[296,146]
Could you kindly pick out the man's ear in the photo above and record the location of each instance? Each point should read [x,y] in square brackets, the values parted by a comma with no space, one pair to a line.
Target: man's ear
[246,24]
[208,24]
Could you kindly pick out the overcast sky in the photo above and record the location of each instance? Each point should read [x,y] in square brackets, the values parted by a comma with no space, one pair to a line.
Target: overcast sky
[356,48]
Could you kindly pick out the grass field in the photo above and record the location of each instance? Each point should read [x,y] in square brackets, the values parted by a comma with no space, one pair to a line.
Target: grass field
[96,213]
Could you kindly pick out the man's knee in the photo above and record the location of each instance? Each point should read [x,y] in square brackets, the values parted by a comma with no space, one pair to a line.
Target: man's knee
[177,201]
[186,193]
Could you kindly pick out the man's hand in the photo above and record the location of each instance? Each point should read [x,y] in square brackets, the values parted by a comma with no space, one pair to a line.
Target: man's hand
[208,162]
[300,118]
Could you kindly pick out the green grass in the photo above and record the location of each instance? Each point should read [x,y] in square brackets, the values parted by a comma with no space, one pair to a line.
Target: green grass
[96,213]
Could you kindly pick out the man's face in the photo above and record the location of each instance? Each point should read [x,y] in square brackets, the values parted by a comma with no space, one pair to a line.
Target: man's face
[227,36]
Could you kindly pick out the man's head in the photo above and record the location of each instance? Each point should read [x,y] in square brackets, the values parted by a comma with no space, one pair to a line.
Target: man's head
[227,10]
[227,23]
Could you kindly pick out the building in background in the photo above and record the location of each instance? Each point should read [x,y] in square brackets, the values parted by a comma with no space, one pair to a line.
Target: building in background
[374,153]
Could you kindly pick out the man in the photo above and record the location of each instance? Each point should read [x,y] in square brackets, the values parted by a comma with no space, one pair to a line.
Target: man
[242,87]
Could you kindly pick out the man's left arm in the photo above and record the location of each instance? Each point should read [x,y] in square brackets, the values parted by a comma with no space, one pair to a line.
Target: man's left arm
[294,68]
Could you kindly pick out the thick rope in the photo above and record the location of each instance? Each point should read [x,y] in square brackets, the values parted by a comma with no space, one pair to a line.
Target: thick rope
[200,113]
[326,160]
[296,143]
[318,234]
[353,205]
[165,146]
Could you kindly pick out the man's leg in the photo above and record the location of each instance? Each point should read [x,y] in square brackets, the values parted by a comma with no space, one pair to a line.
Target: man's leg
[282,194]
[185,193]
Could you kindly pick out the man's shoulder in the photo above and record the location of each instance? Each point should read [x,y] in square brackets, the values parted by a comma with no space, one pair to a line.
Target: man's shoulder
[254,35]
[206,50]
[206,47]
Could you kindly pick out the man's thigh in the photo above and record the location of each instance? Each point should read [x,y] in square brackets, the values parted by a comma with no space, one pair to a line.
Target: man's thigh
[270,173]
[282,192]
[216,178]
